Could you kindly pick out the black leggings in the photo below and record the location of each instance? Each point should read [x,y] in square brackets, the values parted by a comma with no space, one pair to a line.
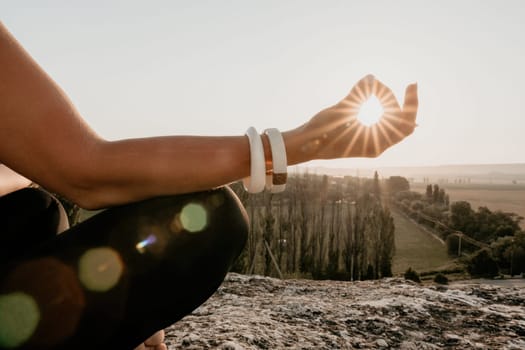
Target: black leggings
[116,278]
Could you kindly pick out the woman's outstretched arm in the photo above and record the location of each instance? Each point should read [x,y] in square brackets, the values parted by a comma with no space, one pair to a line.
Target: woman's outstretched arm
[44,138]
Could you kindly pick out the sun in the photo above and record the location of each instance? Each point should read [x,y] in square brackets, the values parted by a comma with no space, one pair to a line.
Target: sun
[370,111]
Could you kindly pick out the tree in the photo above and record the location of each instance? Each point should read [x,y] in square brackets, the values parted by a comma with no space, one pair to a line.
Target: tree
[462,217]
[398,184]
[304,239]
[441,197]
[509,253]
[376,190]
[482,264]
[429,193]
[435,194]
[370,273]
[387,246]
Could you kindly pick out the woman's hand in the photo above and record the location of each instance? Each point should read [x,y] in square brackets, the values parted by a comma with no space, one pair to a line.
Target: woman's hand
[336,132]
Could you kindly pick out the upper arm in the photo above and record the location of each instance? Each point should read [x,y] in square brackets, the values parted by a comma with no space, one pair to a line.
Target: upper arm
[42,136]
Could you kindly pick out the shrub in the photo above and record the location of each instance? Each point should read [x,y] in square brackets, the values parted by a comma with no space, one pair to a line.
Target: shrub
[412,275]
[417,205]
[482,264]
[441,279]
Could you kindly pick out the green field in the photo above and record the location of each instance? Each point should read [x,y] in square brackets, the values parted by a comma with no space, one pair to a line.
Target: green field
[507,198]
[416,248]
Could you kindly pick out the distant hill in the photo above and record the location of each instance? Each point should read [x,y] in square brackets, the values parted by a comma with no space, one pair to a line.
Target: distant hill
[471,173]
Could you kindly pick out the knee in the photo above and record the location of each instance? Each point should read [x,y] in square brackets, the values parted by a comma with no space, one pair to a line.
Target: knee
[26,200]
[33,210]
[227,219]
[211,224]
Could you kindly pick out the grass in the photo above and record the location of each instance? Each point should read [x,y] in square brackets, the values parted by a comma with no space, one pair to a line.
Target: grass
[416,248]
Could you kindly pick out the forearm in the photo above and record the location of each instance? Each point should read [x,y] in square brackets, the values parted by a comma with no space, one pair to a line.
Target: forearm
[129,170]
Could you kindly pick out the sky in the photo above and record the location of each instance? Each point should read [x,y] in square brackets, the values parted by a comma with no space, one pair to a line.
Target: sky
[146,68]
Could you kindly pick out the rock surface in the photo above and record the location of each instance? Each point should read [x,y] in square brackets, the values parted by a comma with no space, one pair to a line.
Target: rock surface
[254,312]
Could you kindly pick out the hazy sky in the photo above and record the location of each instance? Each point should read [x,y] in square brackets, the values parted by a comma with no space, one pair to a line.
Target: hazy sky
[146,68]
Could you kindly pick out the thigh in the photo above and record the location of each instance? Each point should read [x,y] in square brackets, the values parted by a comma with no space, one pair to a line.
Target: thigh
[115,279]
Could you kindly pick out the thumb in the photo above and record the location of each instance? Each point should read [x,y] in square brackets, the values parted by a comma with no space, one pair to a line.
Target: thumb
[411,103]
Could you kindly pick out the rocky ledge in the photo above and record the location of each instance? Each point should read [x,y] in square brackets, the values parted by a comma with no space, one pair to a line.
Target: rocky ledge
[254,312]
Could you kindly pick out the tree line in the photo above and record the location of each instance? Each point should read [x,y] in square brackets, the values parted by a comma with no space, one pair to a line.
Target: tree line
[320,227]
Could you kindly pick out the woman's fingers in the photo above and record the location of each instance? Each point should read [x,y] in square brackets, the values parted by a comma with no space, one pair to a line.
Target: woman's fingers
[385,96]
[360,92]
[401,123]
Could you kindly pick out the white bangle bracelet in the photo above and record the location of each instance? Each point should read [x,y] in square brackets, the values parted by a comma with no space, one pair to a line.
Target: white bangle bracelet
[256,181]
[277,180]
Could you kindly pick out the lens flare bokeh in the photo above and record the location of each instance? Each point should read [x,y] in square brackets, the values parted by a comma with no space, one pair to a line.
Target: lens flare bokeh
[19,317]
[100,269]
[142,245]
[54,288]
[194,217]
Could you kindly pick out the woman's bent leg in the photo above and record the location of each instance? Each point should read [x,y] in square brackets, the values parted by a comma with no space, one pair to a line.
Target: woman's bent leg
[28,217]
[115,279]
